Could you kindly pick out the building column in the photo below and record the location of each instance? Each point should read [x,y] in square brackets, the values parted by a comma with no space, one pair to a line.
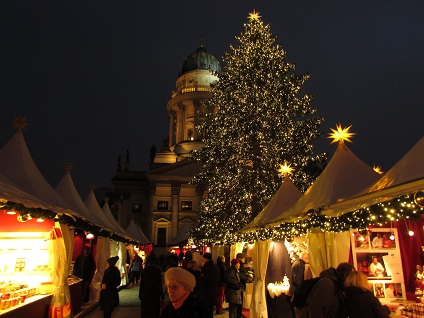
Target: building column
[172,129]
[175,216]
[148,230]
[180,123]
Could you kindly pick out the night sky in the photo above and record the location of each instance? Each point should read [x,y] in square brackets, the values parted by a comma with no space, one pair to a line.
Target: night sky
[93,77]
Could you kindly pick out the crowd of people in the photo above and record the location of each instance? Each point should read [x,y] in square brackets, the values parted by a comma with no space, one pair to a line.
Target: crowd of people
[200,292]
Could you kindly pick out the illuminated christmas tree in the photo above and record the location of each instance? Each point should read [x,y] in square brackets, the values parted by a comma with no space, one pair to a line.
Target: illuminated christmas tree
[256,120]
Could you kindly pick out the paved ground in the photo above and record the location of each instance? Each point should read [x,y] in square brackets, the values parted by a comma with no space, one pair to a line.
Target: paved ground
[129,306]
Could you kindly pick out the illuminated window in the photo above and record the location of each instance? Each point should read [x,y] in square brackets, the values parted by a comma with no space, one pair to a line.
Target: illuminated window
[186,205]
[163,205]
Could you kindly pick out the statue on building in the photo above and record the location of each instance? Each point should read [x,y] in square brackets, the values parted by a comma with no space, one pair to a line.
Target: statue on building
[152,153]
[127,161]
[119,163]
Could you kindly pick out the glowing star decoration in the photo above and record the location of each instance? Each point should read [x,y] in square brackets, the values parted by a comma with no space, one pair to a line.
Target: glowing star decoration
[285,169]
[68,166]
[341,134]
[20,123]
[377,169]
[254,15]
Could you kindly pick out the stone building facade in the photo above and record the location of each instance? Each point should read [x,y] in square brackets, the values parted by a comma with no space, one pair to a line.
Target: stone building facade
[161,201]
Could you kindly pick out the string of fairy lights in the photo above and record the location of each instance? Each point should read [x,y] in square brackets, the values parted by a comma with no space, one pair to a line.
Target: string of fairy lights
[404,207]
[27,214]
[408,207]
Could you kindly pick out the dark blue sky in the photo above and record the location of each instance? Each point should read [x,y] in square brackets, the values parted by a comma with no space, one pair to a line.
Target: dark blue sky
[93,77]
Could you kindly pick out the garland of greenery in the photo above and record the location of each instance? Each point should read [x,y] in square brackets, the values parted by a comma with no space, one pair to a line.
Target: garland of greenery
[403,207]
[64,218]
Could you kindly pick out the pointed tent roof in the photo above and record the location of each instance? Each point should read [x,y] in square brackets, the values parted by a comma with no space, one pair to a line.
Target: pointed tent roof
[135,232]
[108,213]
[286,195]
[66,188]
[95,209]
[181,237]
[17,165]
[14,194]
[344,176]
[406,176]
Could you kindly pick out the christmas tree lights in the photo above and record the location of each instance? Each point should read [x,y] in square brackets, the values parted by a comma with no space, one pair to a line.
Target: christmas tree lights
[256,119]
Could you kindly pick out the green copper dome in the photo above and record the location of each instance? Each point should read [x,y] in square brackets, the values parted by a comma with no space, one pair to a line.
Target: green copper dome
[200,60]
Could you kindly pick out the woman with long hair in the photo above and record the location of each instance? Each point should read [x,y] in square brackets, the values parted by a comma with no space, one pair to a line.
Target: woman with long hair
[360,300]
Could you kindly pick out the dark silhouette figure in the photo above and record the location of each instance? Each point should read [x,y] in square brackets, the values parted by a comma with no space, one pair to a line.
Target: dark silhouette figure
[109,297]
[208,283]
[84,267]
[151,290]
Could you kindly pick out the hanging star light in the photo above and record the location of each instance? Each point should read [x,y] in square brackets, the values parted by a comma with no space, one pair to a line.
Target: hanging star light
[68,166]
[19,122]
[285,169]
[377,169]
[254,15]
[341,134]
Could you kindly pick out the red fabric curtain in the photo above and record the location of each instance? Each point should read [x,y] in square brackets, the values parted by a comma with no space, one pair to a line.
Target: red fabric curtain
[410,249]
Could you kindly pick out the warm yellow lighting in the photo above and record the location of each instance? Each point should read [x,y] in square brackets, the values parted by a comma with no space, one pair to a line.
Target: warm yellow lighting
[377,169]
[285,169]
[2,202]
[340,134]
[254,15]
[40,220]
[89,236]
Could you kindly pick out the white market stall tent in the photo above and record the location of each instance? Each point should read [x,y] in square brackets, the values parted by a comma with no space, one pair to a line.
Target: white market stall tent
[17,165]
[136,233]
[285,197]
[181,237]
[344,175]
[406,176]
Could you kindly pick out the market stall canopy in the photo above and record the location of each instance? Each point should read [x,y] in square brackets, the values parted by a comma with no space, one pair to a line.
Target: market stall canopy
[66,188]
[95,209]
[17,165]
[12,193]
[344,176]
[108,213]
[135,232]
[182,237]
[405,177]
[287,195]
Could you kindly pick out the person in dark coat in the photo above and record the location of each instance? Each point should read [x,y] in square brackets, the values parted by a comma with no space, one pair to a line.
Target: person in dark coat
[298,271]
[220,263]
[326,298]
[151,290]
[193,269]
[243,278]
[208,283]
[233,289]
[109,297]
[84,268]
[182,302]
[360,300]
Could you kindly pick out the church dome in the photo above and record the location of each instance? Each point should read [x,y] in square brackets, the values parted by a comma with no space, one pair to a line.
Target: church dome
[200,60]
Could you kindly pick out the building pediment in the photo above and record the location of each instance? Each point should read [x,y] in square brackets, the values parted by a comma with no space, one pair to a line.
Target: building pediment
[184,170]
